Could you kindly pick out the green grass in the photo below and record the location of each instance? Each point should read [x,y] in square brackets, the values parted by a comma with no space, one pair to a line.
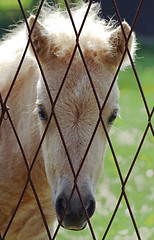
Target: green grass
[9,4]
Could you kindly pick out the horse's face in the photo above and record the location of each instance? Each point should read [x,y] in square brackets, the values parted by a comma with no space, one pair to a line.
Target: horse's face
[76,112]
[67,149]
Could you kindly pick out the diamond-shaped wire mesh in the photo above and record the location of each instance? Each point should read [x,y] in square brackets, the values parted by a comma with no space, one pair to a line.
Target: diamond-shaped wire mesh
[5,116]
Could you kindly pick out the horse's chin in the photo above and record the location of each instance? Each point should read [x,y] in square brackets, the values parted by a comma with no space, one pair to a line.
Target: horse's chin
[72,228]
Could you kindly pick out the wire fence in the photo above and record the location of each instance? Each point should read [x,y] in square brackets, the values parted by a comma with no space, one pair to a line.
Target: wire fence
[6,116]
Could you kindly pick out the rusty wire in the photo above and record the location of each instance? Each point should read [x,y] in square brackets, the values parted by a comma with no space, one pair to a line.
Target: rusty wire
[5,115]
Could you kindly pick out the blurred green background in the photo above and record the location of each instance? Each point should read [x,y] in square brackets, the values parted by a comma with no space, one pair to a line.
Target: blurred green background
[10,12]
[126,135]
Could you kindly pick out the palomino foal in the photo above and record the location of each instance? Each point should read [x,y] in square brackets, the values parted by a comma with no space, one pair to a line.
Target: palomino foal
[76,112]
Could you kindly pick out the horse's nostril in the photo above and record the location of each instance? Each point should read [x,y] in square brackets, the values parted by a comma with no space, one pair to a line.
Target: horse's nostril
[90,207]
[61,205]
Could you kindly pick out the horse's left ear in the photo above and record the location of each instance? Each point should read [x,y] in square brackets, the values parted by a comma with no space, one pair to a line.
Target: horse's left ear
[117,44]
[40,38]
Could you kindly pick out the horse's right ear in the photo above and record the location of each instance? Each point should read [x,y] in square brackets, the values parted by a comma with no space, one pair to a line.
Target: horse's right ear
[39,37]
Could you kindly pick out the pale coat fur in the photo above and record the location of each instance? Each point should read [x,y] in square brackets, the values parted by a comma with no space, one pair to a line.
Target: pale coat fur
[76,111]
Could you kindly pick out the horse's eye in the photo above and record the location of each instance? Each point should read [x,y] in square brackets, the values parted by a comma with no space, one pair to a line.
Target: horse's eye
[112,117]
[42,113]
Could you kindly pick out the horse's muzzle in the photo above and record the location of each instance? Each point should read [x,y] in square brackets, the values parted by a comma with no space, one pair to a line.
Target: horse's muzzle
[75,216]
